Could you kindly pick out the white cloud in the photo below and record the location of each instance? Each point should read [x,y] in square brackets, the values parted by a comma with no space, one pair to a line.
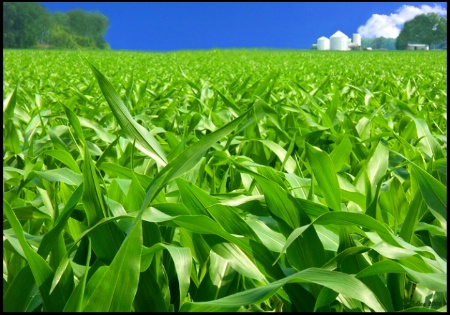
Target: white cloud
[389,26]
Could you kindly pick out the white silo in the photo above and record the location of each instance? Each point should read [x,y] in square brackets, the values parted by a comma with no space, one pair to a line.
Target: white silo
[339,41]
[323,43]
[356,40]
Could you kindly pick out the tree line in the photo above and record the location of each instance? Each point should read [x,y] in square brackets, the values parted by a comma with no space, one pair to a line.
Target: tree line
[429,29]
[30,25]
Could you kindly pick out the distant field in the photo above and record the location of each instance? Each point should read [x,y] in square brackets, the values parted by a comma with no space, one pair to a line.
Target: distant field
[224,180]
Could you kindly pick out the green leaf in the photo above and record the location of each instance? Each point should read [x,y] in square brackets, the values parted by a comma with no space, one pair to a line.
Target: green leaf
[239,261]
[341,283]
[433,191]
[62,174]
[118,285]
[65,157]
[434,281]
[51,236]
[145,141]
[341,153]
[290,164]
[188,159]
[280,204]
[106,240]
[218,280]
[9,103]
[274,241]
[427,141]
[199,202]
[39,267]
[326,177]
[182,259]
[17,296]
[306,251]
[73,119]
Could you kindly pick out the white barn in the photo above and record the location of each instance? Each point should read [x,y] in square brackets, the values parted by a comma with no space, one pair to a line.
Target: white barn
[417,47]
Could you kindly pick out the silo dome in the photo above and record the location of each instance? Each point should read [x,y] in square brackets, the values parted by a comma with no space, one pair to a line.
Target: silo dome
[339,41]
[323,43]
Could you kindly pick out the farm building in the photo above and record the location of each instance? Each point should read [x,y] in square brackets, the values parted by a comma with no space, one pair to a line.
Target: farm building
[339,41]
[355,43]
[323,43]
[417,47]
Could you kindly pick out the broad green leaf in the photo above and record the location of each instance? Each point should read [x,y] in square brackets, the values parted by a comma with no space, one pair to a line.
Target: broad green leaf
[433,191]
[341,153]
[272,240]
[116,289]
[377,166]
[50,237]
[199,202]
[145,141]
[280,204]
[75,301]
[62,174]
[434,281]
[188,159]
[39,267]
[124,172]
[66,158]
[346,218]
[17,296]
[107,239]
[101,132]
[282,155]
[75,123]
[326,177]
[427,141]
[182,259]
[306,251]
[9,104]
[218,280]
[239,261]
[344,284]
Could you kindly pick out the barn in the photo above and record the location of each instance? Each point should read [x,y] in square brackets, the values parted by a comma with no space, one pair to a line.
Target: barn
[417,47]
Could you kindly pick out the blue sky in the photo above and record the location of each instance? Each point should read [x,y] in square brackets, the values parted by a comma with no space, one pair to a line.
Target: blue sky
[165,26]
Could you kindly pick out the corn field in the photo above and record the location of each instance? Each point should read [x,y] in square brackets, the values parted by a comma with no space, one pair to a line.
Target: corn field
[224,180]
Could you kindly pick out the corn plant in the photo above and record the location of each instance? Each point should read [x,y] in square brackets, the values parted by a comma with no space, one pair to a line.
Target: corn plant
[224,180]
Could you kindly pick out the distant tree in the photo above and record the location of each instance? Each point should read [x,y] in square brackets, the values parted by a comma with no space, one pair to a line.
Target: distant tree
[390,44]
[88,24]
[423,29]
[25,24]
[78,28]
[378,43]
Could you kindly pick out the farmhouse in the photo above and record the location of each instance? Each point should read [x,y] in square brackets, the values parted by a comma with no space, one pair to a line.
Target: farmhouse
[417,47]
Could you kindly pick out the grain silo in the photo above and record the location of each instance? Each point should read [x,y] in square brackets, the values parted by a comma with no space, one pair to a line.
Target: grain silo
[323,43]
[356,40]
[339,41]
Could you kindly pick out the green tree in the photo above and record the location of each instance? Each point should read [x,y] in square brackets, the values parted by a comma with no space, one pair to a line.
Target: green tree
[25,24]
[423,29]
[379,42]
[79,29]
[88,24]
